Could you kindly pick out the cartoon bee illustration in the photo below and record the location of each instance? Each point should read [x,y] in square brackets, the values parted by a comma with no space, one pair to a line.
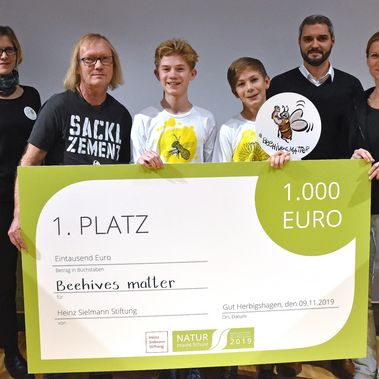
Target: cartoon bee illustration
[179,149]
[287,123]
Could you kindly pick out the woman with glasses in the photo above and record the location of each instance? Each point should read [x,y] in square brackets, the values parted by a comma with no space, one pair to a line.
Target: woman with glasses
[18,110]
[368,137]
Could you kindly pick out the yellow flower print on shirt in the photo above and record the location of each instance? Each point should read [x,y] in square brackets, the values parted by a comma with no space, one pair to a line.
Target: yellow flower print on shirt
[248,149]
[177,144]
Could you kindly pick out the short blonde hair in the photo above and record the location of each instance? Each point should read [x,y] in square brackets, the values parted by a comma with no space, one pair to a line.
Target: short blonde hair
[7,31]
[72,78]
[176,47]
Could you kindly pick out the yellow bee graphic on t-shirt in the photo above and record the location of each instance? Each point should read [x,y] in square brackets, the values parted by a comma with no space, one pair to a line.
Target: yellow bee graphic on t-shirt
[179,149]
[177,143]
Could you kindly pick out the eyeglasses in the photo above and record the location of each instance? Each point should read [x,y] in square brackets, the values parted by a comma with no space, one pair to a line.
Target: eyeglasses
[8,50]
[91,61]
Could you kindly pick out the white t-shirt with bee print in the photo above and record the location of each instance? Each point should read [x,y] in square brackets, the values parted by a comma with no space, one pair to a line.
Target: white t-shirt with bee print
[178,138]
[237,142]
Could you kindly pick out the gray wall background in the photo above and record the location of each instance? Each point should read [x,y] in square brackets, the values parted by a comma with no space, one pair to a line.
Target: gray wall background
[220,30]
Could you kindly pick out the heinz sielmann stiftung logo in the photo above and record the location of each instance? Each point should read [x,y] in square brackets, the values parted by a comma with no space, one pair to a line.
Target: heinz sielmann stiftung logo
[288,121]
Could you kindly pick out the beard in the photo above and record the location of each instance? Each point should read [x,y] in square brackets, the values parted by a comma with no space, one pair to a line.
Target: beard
[318,61]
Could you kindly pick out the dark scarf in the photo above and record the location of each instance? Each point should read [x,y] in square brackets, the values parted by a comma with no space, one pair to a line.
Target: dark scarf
[8,83]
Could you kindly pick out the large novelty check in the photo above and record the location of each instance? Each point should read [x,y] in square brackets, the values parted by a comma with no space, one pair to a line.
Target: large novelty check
[194,265]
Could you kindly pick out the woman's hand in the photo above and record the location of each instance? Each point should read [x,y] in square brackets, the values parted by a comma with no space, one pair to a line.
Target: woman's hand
[373,173]
[14,233]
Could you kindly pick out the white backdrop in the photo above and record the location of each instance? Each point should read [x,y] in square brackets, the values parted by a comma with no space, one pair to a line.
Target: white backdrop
[220,30]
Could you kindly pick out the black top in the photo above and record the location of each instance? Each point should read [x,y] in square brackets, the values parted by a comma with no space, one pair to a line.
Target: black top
[17,117]
[335,102]
[368,138]
[73,132]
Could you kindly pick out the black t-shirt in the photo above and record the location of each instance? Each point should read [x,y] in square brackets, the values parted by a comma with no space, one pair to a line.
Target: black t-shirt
[17,117]
[73,132]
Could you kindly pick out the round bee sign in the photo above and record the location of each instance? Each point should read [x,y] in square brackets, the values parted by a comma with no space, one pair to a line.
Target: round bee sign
[290,122]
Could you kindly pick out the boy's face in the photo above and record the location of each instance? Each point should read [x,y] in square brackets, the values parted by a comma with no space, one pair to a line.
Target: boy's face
[174,74]
[251,88]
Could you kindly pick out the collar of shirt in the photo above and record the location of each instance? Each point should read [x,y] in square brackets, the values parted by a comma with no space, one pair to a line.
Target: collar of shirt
[320,81]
